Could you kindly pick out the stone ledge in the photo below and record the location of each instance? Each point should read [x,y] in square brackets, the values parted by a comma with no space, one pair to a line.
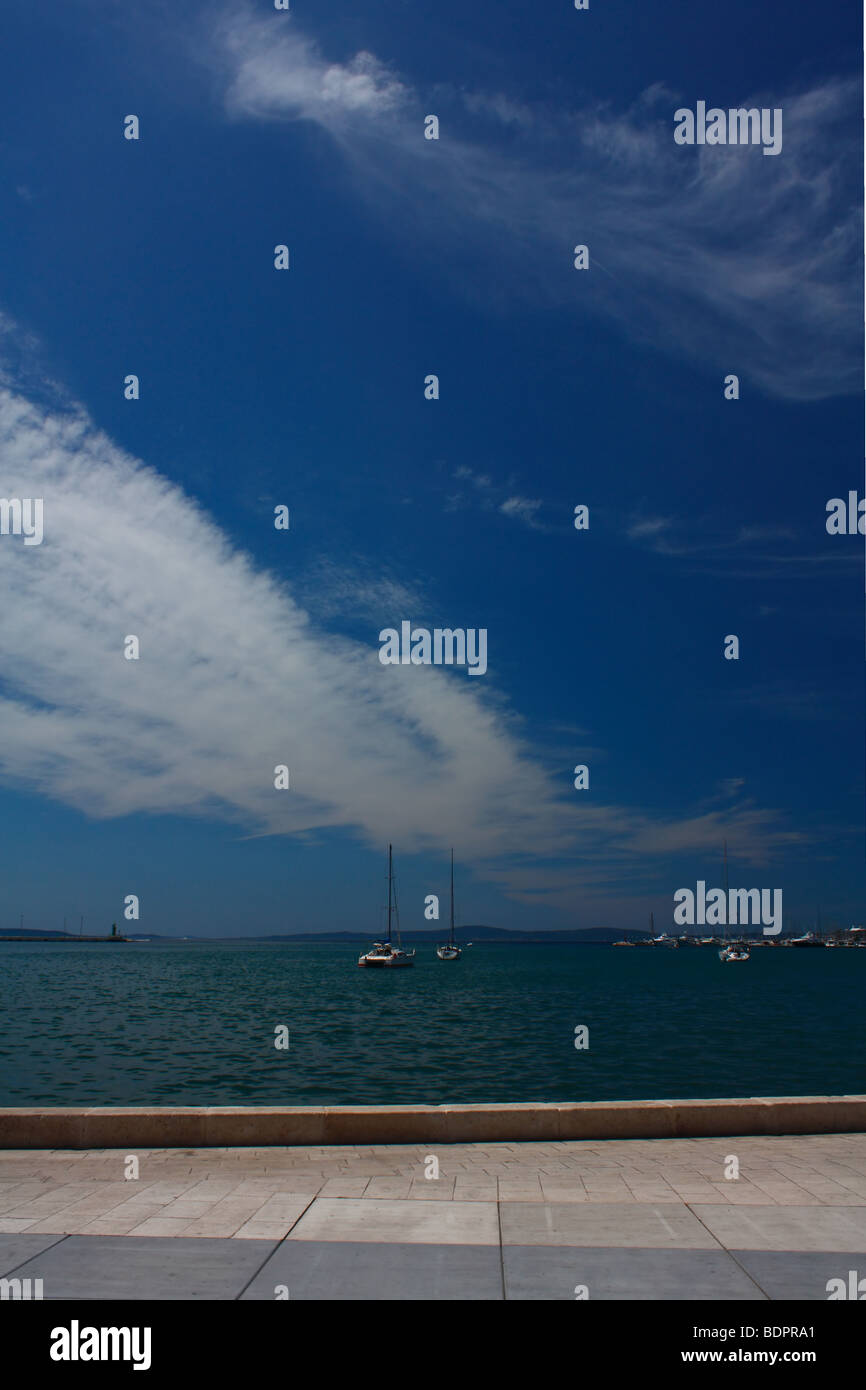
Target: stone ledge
[194,1127]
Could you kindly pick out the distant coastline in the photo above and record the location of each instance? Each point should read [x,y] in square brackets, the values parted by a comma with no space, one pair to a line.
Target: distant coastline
[478,934]
[54,937]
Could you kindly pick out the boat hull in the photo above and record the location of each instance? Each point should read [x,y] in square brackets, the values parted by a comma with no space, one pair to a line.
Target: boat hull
[448,952]
[392,962]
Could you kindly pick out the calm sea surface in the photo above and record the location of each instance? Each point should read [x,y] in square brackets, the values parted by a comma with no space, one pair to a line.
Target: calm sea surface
[193,1023]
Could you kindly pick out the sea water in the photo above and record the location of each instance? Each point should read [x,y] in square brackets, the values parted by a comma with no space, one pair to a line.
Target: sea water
[195,1023]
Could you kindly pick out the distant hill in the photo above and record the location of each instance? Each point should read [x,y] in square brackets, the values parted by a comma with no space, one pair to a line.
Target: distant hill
[14,931]
[489,935]
[480,934]
[477,933]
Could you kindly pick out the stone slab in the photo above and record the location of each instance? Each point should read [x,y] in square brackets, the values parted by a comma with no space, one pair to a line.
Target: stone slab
[405,1222]
[18,1249]
[786,1228]
[801,1274]
[553,1273]
[119,1267]
[365,1272]
[620,1225]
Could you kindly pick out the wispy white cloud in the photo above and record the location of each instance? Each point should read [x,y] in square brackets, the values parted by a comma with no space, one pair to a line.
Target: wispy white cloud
[778,700]
[650,526]
[275,74]
[712,254]
[731,786]
[495,496]
[523,509]
[236,676]
[355,590]
[756,550]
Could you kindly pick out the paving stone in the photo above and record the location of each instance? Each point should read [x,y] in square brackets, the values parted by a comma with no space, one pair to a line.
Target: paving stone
[324,1270]
[18,1249]
[402,1222]
[554,1273]
[800,1274]
[611,1224]
[555,1192]
[786,1228]
[161,1226]
[344,1187]
[81,1267]
[388,1187]
[117,1222]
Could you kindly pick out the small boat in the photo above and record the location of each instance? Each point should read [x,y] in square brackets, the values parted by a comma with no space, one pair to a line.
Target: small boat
[809,939]
[382,953]
[737,950]
[732,950]
[662,939]
[450,951]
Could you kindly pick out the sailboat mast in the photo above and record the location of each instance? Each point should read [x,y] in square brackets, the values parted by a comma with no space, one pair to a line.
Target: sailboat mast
[727,897]
[451,938]
[390,876]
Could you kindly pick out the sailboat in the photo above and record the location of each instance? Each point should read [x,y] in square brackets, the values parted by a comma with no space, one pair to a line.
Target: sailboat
[664,939]
[734,950]
[450,951]
[383,953]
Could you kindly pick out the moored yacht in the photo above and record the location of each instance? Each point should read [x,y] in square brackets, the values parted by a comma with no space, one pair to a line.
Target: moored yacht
[382,953]
[663,939]
[450,951]
[732,950]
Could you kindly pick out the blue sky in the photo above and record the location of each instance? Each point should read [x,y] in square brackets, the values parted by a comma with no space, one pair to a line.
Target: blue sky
[258,387]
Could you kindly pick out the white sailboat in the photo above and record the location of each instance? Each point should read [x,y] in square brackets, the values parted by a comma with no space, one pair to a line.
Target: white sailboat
[734,950]
[383,953]
[663,939]
[450,951]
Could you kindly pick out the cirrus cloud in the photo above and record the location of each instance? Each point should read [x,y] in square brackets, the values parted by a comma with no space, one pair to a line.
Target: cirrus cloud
[236,676]
[709,254]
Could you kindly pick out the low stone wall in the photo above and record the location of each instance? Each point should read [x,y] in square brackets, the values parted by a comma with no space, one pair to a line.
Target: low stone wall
[193,1127]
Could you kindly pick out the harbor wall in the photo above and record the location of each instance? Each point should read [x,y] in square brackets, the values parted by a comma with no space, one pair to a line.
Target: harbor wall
[193,1127]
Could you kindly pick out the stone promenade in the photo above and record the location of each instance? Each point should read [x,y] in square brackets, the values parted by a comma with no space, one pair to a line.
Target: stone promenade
[620,1219]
